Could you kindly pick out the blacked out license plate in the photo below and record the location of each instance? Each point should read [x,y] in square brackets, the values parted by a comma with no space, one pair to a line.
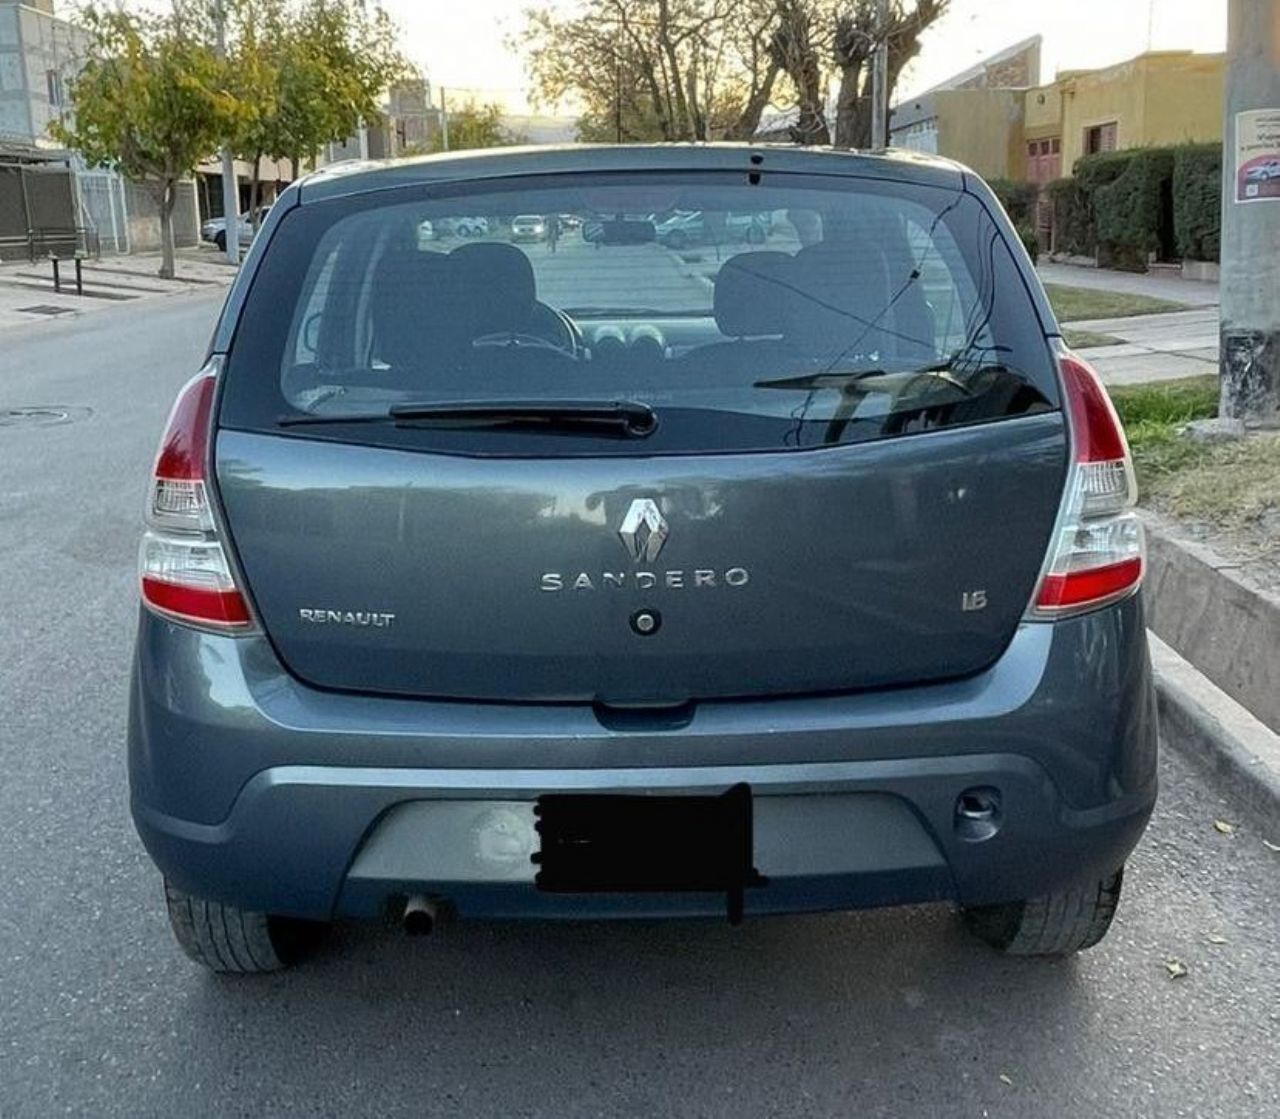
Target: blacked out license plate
[624,843]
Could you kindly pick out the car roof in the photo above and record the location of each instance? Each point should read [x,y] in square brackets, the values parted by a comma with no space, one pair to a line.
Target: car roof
[360,177]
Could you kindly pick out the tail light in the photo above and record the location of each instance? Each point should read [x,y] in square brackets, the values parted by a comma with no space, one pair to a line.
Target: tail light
[184,571]
[1097,553]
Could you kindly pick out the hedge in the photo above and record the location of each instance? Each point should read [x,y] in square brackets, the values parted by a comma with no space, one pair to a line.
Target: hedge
[1197,200]
[1018,199]
[1073,227]
[1124,206]
[1126,192]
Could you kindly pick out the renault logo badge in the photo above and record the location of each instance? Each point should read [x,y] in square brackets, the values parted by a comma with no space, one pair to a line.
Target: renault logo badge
[644,530]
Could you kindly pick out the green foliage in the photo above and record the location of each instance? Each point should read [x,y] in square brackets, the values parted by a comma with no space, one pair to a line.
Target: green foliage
[150,101]
[1167,402]
[308,73]
[1018,199]
[1123,206]
[1127,191]
[1197,200]
[1074,231]
[476,126]
[1073,304]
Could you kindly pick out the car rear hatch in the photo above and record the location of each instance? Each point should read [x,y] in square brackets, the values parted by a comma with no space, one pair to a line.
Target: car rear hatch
[866,516]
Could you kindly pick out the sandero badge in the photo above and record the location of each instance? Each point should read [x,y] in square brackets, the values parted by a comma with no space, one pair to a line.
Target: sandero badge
[644,530]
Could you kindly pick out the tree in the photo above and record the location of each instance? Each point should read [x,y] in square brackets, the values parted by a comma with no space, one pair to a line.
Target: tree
[854,43]
[657,69]
[308,74]
[150,101]
[258,34]
[816,39]
[476,126]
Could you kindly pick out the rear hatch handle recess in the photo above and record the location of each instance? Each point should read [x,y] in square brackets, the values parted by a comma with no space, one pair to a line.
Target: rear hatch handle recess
[628,418]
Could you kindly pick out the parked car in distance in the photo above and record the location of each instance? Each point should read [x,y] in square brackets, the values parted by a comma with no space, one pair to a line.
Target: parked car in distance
[492,583]
[684,229]
[528,227]
[215,229]
[471,226]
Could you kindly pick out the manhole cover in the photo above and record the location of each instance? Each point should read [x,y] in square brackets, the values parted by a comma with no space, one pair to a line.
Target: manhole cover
[42,415]
[47,309]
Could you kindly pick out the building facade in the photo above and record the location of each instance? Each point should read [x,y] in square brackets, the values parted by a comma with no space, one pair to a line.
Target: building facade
[39,57]
[1036,133]
[975,116]
[1156,99]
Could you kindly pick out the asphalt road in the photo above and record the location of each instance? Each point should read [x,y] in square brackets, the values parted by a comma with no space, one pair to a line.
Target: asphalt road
[884,1013]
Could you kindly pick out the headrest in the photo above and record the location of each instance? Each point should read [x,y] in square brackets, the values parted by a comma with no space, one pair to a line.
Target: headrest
[406,285]
[842,298]
[752,293]
[491,289]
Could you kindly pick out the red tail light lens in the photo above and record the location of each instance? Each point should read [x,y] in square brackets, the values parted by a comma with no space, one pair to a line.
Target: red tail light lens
[1097,553]
[184,571]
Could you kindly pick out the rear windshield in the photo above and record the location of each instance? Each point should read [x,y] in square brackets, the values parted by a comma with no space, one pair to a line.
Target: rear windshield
[797,312]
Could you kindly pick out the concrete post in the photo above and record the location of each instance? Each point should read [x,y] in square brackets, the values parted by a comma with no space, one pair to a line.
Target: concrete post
[230,185]
[1250,353]
[880,79]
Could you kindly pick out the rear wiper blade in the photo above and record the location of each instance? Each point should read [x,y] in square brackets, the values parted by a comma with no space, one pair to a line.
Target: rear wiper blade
[847,380]
[626,417]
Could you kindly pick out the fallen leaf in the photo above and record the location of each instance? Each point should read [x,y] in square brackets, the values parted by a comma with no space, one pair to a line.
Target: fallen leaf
[1176,968]
[1006,1080]
[1271,846]
[1216,938]
[1224,827]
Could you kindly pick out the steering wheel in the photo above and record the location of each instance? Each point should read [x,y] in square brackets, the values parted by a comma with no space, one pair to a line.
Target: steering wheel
[560,335]
[520,340]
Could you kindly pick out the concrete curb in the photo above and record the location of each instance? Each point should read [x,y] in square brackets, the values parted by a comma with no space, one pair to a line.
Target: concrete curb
[1218,736]
[1227,628]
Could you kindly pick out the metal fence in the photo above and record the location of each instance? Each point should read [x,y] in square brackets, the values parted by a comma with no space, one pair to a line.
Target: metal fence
[118,215]
[33,198]
[103,208]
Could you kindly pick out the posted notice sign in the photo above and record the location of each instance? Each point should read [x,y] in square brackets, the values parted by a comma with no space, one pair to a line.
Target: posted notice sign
[1258,156]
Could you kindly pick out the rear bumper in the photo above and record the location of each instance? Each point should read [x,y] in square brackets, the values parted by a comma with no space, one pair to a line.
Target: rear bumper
[253,789]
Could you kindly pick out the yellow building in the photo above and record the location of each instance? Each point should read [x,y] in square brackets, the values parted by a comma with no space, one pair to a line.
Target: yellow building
[1156,99]
[1037,134]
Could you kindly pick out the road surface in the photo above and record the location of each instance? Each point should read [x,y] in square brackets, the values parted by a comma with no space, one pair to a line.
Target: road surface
[885,1013]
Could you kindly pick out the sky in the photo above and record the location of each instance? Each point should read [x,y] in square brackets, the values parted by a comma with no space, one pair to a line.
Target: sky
[463,44]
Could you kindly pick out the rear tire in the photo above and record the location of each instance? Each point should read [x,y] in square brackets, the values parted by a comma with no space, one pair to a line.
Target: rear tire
[220,240]
[1058,924]
[232,941]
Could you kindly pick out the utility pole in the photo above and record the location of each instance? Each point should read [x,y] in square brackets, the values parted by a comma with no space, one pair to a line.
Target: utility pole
[617,96]
[1250,284]
[230,191]
[444,122]
[880,79]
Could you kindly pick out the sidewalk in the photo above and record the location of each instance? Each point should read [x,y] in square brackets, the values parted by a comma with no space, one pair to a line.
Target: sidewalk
[1153,347]
[1194,293]
[27,294]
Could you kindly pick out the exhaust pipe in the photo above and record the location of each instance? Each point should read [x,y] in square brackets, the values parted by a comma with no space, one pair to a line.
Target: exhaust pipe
[420,915]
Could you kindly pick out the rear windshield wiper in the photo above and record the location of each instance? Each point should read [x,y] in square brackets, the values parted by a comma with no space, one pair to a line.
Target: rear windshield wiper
[844,380]
[629,418]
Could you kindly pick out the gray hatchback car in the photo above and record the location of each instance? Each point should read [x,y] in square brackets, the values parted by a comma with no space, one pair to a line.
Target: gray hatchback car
[616,581]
